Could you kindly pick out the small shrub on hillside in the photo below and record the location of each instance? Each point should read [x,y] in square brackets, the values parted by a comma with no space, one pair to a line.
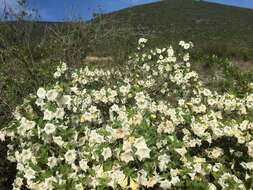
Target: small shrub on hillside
[152,124]
[224,75]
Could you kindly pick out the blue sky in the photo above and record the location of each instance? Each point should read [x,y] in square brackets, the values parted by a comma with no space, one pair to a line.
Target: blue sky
[239,3]
[55,10]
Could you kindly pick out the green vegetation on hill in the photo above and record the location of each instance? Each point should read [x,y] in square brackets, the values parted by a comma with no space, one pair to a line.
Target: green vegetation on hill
[213,28]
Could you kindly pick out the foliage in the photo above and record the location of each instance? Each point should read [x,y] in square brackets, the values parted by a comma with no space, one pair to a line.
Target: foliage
[215,29]
[150,123]
[224,75]
[31,59]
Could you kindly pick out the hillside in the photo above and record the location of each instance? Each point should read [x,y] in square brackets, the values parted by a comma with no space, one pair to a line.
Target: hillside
[214,28]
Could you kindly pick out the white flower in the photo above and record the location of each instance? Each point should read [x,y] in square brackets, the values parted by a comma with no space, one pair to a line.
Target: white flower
[170,51]
[52,162]
[250,149]
[249,101]
[57,74]
[29,174]
[117,176]
[18,182]
[211,186]
[64,67]
[142,40]
[2,136]
[26,155]
[83,165]
[216,167]
[248,165]
[187,46]
[48,184]
[124,89]
[52,95]
[207,92]
[96,138]
[79,187]
[126,156]
[70,156]
[140,97]
[152,181]
[159,51]
[165,184]
[58,141]
[199,129]
[41,93]
[49,128]
[121,133]
[163,161]
[166,127]
[216,153]
[64,100]
[27,124]
[40,102]
[140,143]
[136,119]
[59,114]
[174,180]
[244,125]
[181,43]
[186,57]
[107,153]
[142,150]
[181,151]
[48,115]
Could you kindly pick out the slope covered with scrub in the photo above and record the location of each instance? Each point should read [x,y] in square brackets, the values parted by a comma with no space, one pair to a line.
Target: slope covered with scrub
[214,28]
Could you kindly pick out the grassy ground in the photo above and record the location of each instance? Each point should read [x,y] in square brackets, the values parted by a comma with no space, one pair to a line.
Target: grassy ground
[29,52]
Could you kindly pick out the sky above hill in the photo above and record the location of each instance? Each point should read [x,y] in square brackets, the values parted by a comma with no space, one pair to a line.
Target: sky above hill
[57,10]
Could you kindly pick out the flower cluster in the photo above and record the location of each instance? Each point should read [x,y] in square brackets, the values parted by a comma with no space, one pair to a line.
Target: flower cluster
[149,124]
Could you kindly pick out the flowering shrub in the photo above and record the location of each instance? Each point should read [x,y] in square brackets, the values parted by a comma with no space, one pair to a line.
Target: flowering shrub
[151,124]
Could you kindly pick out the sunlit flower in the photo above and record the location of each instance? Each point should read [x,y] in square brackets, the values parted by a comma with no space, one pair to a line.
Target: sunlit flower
[52,95]
[83,165]
[29,174]
[2,136]
[107,153]
[142,40]
[41,93]
[143,151]
[49,128]
[52,162]
[70,156]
